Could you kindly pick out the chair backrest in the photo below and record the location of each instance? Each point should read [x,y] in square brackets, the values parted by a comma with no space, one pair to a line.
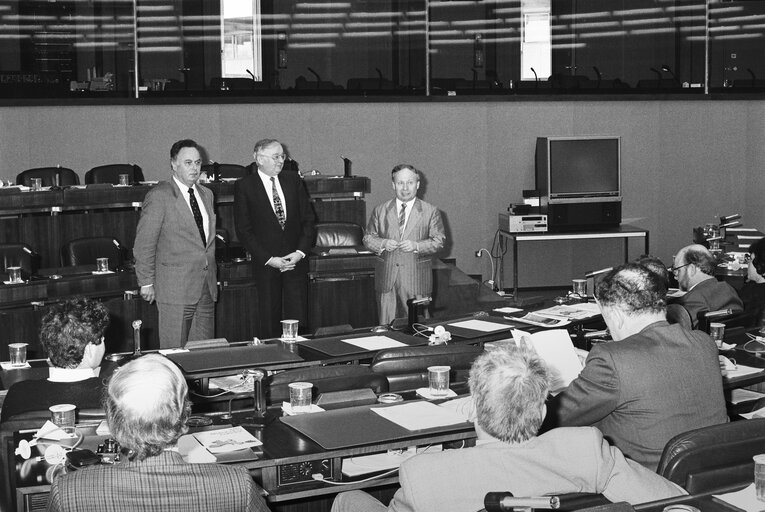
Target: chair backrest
[50,176]
[338,234]
[713,458]
[739,319]
[406,368]
[325,379]
[85,251]
[110,173]
[217,171]
[19,255]
[677,314]
[210,343]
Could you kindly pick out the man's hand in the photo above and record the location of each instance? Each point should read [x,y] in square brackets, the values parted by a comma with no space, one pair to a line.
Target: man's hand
[390,245]
[280,263]
[408,246]
[147,293]
[293,258]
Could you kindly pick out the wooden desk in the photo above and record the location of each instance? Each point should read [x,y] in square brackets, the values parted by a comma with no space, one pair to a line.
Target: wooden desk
[624,232]
[284,463]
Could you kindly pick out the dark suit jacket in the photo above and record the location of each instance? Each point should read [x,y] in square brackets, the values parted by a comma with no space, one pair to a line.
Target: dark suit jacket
[164,482]
[644,390]
[710,295]
[415,268]
[168,249]
[256,223]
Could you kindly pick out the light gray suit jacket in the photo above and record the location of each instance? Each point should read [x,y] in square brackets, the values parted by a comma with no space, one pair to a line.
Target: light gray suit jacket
[168,249]
[564,460]
[424,227]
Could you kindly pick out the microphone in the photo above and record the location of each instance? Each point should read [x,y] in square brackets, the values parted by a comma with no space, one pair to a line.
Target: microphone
[536,78]
[250,73]
[658,77]
[754,78]
[728,218]
[667,69]
[318,78]
[505,501]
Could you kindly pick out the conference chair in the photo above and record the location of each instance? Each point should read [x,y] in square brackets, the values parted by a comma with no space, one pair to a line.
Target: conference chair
[50,176]
[110,173]
[338,234]
[216,171]
[715,458]
[19,255]
[406,368]
[85,251]
[739,319]
[677,314]
[325,379]
[210,343]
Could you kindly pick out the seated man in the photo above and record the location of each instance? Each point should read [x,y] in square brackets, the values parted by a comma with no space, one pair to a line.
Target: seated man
[147,408]
[72,334]
[509,387]
[654,381]
[753,292]
[694,269]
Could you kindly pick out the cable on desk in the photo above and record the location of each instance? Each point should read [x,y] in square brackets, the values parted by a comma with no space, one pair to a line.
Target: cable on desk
[421,330]
[754,340]
[320,478]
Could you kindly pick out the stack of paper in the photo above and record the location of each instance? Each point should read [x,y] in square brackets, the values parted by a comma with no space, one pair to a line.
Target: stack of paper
[555,348]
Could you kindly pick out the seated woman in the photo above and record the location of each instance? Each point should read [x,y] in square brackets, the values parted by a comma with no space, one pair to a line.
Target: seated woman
[753,292]
[72,333]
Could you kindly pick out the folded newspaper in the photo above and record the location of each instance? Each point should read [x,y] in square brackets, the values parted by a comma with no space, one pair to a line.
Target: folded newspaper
[227,440]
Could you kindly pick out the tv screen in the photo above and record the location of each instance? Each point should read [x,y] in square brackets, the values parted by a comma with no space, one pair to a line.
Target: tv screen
[583,166]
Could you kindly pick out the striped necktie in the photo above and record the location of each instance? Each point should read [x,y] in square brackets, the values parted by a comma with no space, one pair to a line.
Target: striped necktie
[402,219]
[197,215]
[278,209]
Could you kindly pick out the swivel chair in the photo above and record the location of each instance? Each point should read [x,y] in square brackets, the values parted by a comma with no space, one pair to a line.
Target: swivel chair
[50,176]
[730,319]
[406,368]
[338,234]
[85,251]
[715,458]
[325,379]
[110,173]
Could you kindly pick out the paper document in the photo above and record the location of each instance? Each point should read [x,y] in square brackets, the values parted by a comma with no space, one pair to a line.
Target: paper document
[464,406]
[374,342]
[745,499]
[227,439]
[508,310]
[419,415]
[742,370]
[570,312]
[480,325]
[540,320]
[759,413]
[744,395]
[555,348]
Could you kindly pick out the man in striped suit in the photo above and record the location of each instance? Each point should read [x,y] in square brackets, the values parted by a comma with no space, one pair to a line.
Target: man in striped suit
[405,233]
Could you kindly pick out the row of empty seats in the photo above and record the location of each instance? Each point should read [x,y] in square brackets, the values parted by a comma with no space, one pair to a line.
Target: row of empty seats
[80,251]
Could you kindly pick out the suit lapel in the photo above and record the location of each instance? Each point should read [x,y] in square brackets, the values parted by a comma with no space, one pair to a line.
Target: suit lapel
[262,198]
[186,218]
[207,199]
[392,219]
[413,220]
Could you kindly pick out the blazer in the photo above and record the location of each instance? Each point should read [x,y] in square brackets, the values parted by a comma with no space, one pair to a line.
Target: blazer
[565,460]
[164,482]
[168,250]
[645,389]
[424,226]
[257,226]
[710,295]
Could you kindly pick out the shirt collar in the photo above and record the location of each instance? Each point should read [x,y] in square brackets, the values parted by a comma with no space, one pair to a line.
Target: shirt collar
[56,374]
[399,202]
[185,188]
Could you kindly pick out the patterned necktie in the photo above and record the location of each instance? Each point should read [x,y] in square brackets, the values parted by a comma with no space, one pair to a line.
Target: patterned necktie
[197,214]
[277,203]
[402,219]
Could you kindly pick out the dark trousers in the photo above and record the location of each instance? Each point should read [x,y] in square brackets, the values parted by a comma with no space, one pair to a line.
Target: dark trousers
[281,296]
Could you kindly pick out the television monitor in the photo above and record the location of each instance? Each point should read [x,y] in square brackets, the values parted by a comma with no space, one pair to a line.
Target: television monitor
[579,169]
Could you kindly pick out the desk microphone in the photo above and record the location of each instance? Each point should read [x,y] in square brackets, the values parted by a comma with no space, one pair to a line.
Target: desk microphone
[504,501]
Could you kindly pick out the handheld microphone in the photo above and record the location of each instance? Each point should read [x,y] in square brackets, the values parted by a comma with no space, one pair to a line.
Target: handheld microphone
[505,501]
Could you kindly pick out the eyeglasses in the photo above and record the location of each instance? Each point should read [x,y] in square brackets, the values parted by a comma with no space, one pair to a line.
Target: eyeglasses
[748,257]
[276,158]
[675,269]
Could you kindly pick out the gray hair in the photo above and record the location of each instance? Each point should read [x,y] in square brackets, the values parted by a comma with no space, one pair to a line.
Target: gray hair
[147,405]
[700,256]
[509,386]
[633,288]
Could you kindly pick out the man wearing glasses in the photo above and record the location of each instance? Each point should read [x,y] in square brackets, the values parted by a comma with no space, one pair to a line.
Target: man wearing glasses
[694,269]
[276,223]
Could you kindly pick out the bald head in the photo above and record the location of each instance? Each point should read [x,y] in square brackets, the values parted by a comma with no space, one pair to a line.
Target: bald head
[692,265]
[147,406]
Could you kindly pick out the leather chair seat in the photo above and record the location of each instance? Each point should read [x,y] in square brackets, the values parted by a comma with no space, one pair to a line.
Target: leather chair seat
[325,379]
[338,234]
[85,251]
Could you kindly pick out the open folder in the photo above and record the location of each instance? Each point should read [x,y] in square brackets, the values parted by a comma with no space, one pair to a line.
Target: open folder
[555,348]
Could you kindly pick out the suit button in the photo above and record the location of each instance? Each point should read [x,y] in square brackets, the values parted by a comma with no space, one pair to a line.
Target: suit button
[205,268]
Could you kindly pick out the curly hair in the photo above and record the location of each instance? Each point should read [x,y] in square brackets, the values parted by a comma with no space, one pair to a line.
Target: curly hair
[147,406]
[633,288]
[509,386]
[69,326]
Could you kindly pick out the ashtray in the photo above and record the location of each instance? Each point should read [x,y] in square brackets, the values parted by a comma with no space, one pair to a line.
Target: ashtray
[199,421]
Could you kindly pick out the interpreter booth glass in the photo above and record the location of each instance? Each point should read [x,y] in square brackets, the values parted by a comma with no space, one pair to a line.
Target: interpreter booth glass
[215,48]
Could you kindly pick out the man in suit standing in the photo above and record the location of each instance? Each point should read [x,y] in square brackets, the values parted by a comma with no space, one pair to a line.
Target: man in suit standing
[147,409]
[175,251]
[276,223]
[694,269]
[404,232]
[652,382]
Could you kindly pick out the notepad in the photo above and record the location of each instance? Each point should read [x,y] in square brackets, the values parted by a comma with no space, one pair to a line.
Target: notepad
[374,342]
[479,325]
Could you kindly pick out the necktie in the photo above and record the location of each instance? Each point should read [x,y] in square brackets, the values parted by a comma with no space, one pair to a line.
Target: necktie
[277,203]
[402,219]
[197,214]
